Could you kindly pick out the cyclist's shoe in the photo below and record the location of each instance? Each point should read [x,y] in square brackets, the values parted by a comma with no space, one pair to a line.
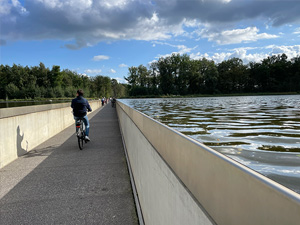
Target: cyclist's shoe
[77,134]
[87,138]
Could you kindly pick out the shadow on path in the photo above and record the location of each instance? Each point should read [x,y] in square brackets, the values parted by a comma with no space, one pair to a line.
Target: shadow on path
[70,186]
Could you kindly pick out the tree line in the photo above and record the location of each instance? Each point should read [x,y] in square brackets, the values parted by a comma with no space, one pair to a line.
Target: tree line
[180,75]
[19,82]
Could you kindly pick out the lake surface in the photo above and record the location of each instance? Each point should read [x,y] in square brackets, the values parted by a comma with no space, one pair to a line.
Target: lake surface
[29,103]
[261,132]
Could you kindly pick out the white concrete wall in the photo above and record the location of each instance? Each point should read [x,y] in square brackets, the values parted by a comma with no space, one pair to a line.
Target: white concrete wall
[230,193]
[24,128]
[164,199]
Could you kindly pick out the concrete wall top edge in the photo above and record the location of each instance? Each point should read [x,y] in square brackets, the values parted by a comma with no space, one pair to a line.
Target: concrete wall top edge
[16,111]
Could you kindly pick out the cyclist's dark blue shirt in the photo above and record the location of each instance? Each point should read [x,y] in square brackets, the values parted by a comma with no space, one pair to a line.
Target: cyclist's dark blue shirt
[80,106]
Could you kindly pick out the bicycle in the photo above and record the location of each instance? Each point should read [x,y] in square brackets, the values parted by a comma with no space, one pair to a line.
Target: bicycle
[113,103]
[80,133]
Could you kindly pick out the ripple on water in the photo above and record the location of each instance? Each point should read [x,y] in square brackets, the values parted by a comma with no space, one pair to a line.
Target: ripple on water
[260,132]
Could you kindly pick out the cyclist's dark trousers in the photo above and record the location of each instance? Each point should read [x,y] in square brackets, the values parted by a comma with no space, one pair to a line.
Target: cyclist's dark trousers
[86,123]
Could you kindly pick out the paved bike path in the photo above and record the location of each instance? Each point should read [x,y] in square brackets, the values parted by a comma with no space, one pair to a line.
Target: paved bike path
[56,183]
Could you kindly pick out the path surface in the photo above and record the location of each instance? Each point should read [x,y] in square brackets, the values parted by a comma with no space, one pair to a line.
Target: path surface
[56,183]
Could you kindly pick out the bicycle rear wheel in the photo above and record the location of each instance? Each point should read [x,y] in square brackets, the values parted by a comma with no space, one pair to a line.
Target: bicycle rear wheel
[80,142]
[80,137]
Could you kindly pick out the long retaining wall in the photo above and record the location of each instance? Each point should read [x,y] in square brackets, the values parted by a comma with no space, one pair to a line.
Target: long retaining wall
[180,181]
[24,128]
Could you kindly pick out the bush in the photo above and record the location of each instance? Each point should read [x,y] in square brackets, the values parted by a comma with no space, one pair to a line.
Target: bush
[12,91]
[58,92]
[49,93]
[69,91]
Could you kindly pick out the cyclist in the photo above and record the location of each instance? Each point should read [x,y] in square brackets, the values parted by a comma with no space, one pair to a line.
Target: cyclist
[80,107]
[113,102]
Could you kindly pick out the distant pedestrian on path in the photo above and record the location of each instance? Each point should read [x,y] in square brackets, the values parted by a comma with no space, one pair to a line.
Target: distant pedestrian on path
[80,108]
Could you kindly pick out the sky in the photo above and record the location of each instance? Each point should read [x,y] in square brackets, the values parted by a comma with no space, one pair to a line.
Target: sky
[105,37]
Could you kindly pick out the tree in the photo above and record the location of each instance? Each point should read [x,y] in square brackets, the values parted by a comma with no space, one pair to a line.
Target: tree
[232,76]
[203,77]
[181,70]
[154,79]
[66,79]
[196,77]
[12,91]
[295,74]
[5,72]
[167,75]
[171,75]
[101,86]
[118,90]
[211,76]
[132,79]
[42,73]
[56,76]
[143,76]
[139,80]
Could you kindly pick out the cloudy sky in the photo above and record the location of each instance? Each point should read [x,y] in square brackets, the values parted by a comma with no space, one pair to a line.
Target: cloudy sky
[105,37]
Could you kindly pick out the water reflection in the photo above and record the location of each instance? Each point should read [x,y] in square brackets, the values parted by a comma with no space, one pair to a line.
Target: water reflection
[261,132]
[11,104]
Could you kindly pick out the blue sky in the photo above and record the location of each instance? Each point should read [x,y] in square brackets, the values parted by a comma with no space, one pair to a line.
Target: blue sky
[105,37]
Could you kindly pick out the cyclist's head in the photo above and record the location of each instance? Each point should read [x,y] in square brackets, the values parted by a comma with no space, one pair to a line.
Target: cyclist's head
[80,92]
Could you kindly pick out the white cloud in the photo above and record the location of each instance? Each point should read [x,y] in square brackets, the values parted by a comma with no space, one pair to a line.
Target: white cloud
[5,7]
[244,54]
[249,34]
[123,65]
[182,49]
[100,57]
[297,31]
[236,53]
[19,7]
[71,4]
[153,61]
[290,51]
[153,28]
[112,71]
[191,23]
[93,71]
[114,4]
[121,80]
[89,22]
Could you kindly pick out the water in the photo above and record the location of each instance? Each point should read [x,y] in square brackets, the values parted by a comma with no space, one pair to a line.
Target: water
[29,103]
[261,132]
